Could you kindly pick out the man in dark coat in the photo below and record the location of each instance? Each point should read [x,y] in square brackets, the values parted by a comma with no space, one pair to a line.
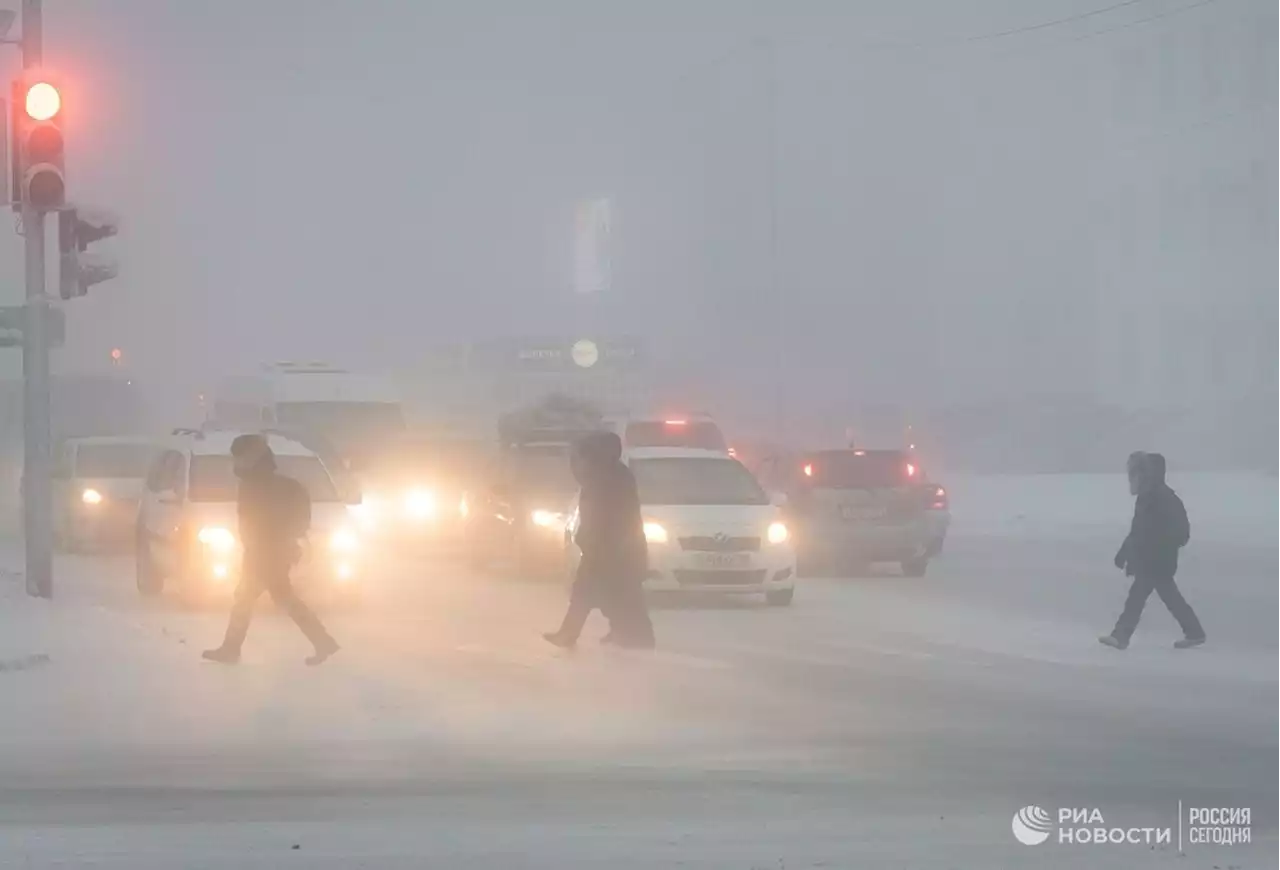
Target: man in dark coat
[1150,553]
[274,514]
[610,536]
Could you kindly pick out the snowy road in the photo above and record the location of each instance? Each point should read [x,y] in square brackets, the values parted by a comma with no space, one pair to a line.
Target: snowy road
[879,722]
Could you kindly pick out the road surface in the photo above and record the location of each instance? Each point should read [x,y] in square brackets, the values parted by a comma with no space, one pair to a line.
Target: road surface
[879,722]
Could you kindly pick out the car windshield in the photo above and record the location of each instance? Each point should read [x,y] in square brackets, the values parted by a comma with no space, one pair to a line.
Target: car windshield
[543,470]
[689,481]
[345,424]
[698,435]
[213,479]
[114,460]
[859,469]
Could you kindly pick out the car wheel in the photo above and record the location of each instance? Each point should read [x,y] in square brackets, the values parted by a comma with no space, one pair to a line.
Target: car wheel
[915,567]
[148,576]
[780,597]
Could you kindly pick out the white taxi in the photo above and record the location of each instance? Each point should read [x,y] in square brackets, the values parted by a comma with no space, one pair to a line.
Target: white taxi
[187,526]
[710,526]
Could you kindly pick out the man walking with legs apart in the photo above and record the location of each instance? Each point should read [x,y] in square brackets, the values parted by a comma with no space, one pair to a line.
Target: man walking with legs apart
[614,552]
[275,514]
[1150,553]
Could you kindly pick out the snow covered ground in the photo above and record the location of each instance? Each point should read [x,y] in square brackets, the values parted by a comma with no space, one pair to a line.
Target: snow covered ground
[879,722]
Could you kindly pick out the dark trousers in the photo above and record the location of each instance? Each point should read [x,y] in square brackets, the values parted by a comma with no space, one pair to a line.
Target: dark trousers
[1167,589]
[275,580]
[621,602]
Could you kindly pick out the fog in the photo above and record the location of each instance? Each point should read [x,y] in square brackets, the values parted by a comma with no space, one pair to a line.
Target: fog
[815,206]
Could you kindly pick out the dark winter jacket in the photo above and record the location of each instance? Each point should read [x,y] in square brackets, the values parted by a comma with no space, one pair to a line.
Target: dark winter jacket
[610,527]
[274,512]
[1160,526]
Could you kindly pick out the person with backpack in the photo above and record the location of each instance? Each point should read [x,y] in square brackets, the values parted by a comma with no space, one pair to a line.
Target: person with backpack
[274,514]
[1149,554]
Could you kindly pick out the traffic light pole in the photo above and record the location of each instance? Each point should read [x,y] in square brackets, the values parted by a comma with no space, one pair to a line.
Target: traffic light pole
[37,499]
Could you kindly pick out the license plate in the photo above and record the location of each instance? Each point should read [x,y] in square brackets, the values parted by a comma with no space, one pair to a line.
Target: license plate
[855,512]
[724,561]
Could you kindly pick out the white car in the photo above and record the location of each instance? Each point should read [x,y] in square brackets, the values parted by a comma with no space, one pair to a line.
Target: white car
[187,534]
[711,527]
[97,488]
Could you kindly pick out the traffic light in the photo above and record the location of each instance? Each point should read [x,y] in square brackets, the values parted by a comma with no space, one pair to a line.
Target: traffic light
[38,145]
[78,271]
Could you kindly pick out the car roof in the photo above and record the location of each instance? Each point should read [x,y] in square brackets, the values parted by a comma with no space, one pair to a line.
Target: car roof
[861,451]
[219,444]
[138,440]
[676,453]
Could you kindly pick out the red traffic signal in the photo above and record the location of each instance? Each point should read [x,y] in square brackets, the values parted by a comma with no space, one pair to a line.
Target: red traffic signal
[39,148]
[42,101]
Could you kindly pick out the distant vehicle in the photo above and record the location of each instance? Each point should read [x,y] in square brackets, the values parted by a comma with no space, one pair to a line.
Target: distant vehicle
[691,431]
[854,507]
[711,527]
[519,514]
[355,414]
[186,532]
[413,491]
[97,489]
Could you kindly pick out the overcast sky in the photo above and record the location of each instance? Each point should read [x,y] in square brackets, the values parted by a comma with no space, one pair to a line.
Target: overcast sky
[966,195]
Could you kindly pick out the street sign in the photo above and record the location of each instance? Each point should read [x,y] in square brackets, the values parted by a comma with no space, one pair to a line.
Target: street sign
[13,318]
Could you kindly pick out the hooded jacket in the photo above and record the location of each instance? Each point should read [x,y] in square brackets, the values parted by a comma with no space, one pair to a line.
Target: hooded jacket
[274,512]
[1160,526]
[610,527]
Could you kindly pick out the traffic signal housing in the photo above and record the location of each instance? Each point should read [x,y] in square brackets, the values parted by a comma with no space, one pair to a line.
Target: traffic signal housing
[39,149]
[78,270]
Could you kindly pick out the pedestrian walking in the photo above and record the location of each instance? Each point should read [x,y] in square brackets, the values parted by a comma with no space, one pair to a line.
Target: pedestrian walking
[274,515]
[1149,554]
[610,536]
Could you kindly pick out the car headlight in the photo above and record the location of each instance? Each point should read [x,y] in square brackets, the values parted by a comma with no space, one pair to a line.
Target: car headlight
[778,533]
[420,504]
[217,538]
[655,533]
[344,541]
[547,519]
[91,497]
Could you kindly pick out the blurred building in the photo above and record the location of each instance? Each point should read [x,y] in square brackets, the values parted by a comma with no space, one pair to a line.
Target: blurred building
[1186,300]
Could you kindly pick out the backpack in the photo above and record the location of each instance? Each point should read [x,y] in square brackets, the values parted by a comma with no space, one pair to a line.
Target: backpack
[295,507]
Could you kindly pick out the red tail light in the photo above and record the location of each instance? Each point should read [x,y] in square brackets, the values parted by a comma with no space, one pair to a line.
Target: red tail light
[911,470]
[938,499]
[808,470]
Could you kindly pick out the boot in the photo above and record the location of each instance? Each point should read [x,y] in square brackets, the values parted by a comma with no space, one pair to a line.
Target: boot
[560,639]
[223,655]
[322,654]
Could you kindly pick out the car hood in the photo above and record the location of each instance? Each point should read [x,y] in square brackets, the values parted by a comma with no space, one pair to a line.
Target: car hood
[326,517]
[712,519]
[122,488]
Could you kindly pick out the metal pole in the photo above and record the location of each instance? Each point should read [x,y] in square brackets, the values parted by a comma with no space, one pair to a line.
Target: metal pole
[37,498]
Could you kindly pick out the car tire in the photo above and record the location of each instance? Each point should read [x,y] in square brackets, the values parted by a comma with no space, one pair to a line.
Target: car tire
[148,577]
[780,597]
[915,567]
